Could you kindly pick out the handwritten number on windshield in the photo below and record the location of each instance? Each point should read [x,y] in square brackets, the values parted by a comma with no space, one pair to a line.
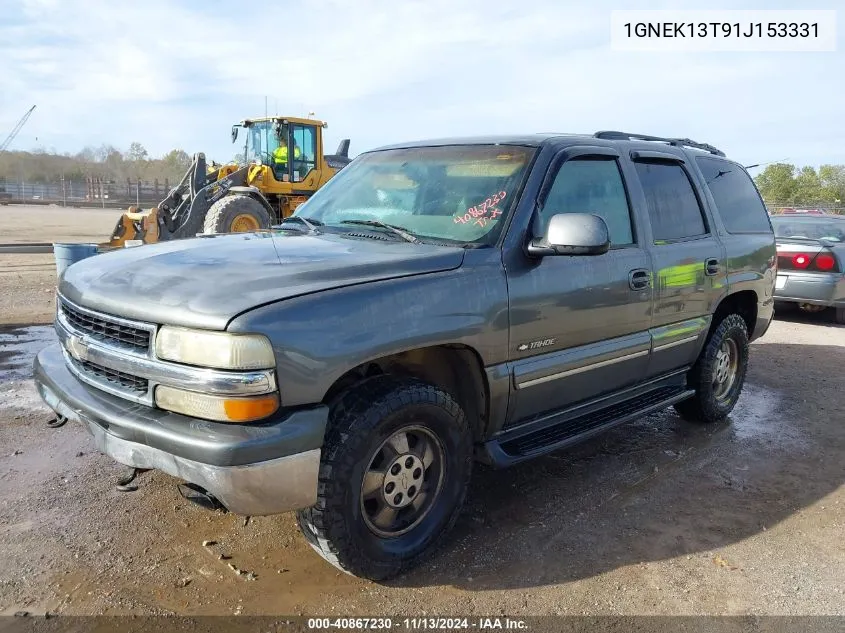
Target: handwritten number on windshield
[483,212]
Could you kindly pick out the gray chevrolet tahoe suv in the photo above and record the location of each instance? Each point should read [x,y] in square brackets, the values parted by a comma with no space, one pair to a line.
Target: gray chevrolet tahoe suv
[435,304]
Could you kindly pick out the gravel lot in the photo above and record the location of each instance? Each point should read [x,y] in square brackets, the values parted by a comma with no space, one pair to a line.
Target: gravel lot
[656,517]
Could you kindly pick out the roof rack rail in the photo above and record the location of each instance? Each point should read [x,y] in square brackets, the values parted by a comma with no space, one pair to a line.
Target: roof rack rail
[613,135]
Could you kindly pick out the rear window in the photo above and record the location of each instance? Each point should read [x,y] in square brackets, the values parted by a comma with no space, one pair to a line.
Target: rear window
[736,197]
[831,229]
[672,204]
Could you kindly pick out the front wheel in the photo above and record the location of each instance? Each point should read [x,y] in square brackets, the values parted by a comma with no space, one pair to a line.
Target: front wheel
[719,373]
[839,315]
[395,469]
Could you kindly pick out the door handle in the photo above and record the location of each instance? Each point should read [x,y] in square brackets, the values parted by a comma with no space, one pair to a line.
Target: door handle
[711,266]
[639,279]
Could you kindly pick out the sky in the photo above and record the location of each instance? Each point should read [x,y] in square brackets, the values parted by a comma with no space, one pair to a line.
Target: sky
[178,73]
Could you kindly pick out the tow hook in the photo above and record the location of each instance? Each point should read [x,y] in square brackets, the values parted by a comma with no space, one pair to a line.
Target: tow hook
[124,481]
[200,496]
[56,422]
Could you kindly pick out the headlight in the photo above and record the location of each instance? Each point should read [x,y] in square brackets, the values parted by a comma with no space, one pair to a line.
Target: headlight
[221,350]
[221,408]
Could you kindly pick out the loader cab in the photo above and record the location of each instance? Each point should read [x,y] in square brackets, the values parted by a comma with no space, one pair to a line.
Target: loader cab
[302,139]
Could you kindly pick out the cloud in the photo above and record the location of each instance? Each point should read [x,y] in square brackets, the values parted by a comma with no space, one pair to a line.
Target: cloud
[179,74]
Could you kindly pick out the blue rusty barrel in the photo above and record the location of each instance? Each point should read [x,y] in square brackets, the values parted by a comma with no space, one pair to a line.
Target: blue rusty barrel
[67,254]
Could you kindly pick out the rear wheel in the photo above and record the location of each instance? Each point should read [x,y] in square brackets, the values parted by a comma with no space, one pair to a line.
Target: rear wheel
[719,373]
[395,468]
[236,214]
[839,315]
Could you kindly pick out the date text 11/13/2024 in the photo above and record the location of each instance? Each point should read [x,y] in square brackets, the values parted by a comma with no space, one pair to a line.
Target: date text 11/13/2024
[421,623]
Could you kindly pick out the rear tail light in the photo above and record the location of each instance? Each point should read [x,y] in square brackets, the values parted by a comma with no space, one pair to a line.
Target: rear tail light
[823,261]
[801,260]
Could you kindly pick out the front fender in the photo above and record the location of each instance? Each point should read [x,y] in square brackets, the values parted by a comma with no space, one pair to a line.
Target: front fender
[319,337]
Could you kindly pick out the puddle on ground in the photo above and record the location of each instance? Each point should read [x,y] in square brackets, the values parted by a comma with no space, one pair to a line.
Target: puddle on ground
[760,413]
[18,347]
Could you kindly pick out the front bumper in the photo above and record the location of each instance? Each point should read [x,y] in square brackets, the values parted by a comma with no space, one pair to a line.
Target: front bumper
[823,289]
[255,470]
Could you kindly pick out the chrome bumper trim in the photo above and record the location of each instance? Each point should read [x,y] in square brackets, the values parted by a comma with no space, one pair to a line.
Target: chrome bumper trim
[211,381]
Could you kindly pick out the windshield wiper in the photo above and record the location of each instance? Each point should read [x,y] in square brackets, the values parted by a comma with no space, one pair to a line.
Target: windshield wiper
[311,224]
[401,231]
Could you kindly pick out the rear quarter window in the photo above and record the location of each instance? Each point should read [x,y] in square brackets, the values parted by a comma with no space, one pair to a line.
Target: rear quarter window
[737,200]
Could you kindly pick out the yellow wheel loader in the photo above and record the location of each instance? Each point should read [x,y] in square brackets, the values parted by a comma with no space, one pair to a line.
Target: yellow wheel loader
[282,165]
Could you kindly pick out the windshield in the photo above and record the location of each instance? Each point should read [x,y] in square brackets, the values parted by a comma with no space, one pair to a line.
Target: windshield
[460,193]
[261,140]
[832,229]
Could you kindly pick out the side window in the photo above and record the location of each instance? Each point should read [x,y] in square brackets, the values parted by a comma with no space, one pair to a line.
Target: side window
[673,207]
[736,196]
[590,185]
[304,151]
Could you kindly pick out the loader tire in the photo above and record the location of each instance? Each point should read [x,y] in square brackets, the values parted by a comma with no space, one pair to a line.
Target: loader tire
[236,214]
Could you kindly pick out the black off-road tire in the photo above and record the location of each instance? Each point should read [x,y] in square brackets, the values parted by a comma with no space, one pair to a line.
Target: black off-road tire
[222,213]
[705,407]
[839,315]
[359,422]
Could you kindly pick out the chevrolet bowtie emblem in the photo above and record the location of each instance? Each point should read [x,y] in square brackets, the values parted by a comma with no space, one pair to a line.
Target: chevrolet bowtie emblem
[77,347]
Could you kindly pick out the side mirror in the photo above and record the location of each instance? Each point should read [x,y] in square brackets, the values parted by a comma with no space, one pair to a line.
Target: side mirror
[234,133]
[572,234]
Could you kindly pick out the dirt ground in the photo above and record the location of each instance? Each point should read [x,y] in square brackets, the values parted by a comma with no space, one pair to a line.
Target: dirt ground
[27,281]
[656,517]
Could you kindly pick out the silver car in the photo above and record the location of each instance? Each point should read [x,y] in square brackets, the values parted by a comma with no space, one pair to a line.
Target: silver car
[811,262]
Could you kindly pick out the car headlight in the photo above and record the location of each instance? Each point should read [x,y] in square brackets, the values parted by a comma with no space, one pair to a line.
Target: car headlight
[220,350]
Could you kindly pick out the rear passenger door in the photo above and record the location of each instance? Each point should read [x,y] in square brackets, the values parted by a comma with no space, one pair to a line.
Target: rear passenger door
[688,258]
[746,234]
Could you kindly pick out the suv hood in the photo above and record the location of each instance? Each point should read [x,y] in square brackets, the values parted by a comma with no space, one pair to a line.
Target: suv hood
[205,282]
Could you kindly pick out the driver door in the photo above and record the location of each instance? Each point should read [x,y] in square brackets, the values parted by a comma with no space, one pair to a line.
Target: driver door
[302,154]
[580,324]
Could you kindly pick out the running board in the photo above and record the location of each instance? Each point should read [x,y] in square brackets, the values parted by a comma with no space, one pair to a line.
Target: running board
[509,449]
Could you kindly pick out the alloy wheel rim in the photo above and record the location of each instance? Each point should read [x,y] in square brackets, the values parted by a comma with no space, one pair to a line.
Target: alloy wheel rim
[402,481]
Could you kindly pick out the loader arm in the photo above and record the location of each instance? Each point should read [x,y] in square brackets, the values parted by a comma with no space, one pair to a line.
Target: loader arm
[181,213]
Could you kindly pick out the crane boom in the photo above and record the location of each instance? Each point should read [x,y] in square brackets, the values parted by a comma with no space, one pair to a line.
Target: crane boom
[16,129]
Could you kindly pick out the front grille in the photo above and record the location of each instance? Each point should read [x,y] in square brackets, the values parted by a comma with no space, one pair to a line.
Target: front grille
[105,330]
[111,376]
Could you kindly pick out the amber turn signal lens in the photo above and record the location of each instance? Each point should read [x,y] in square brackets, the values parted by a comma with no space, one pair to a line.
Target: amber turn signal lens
[220,408]
[247,409]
